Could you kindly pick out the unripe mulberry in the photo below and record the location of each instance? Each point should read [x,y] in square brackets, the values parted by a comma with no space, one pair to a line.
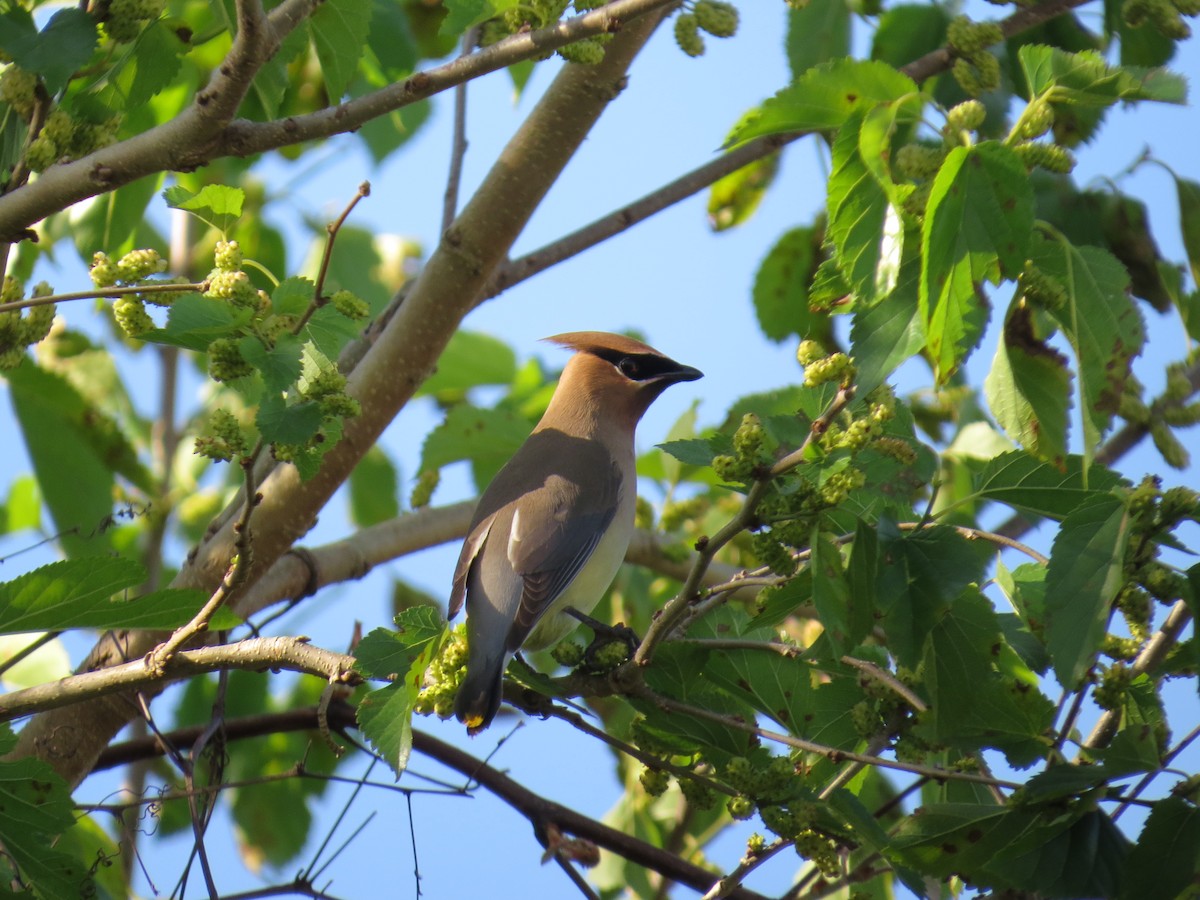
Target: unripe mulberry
[966,116]
[717,18]
[1038,120]
[228,256]
[104,271]
[131,315]
[1050,157]
[585,53]
[687,35]
[225,362]
[350,305]
[138,264]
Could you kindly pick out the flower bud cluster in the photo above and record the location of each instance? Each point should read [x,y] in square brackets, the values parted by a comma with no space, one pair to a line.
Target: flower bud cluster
[444,676]
[715,17]
[1166,16]
[223,439]
[976,70]
[19,330]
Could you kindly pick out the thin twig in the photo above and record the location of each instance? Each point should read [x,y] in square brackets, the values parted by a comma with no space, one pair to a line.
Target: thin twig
[1149,777]
[97,293]
[888,680]
[458,143]
[331,230]
[726,884]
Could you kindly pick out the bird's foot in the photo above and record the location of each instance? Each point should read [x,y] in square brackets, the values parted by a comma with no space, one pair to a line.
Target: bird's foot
[611,646]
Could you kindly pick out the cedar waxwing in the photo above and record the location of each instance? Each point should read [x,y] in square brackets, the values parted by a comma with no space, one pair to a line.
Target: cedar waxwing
[552,528]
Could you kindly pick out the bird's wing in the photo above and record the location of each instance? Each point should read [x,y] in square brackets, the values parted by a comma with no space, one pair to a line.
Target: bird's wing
[470,549]
[554,531]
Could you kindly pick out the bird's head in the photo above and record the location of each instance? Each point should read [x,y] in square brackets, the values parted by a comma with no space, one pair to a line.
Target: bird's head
[614,377]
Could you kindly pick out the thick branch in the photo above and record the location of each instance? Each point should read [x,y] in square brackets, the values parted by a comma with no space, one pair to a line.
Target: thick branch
[255,654]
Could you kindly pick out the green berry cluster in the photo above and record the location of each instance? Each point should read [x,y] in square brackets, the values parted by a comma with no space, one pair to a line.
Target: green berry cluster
[19,331]
[65,138]
[350,305]
[225,361]
[567,654]
[920,161]
[1166,16]
[654,781]
[18,88]
[131,316]
[124,20]
[753,452]
[131,269]
[698,794]
[422,491]
[223,438]
[1037,120]
[328,390]
[765,779]
[1113,686]
[976,70]
[443,677]
[741,807]
[818,849]
[965,117]
[836,367]
[1050,157]
[715,17]
[772,553]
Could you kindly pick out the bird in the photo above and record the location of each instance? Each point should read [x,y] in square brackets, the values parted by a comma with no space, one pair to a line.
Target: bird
[551,529]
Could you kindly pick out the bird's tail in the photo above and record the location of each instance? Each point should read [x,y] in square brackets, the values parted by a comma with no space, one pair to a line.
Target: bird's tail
[479,695]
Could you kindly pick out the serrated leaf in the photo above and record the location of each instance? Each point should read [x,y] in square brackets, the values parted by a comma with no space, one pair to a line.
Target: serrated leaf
[884,335]
[907,32]
[463,14]
[339,31]
[858,208]
[964,649]
[385,716]
[1084,78]
[692,452]
[216,204]
[152,64]
[292,296]
[817,32]
[282,423]
[978,225]
[54,53]
[824,97]
[1023,482]
[1102,324]
[279,365]
[84,593]
[36,807]
[195,321]
[781,286]
[830,590]
[1188,193]
[1028,388]
[1166,859]
[925,570]
[471,359]
[1085,574]
[374,489]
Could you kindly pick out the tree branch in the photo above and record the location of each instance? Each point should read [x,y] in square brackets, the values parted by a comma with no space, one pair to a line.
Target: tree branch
[255,654]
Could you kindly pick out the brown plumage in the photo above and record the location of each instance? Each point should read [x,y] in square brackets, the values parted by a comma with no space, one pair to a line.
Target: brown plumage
[552,528]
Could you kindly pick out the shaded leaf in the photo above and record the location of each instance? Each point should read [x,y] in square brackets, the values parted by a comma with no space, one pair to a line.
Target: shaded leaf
[1166,860]
[486,437]
[54,53]
[781,286]
[374,489]
[1024,483]
[1086,571]
[195,321]
[817,32]
[339,31]
[471,359]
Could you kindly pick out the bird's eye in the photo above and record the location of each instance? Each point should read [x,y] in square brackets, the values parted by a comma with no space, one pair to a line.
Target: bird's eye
[629,367]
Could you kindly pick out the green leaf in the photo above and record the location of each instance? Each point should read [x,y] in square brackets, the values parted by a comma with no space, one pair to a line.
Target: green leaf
[216,204]
[486,437]
[978,225]
[339,31]
[279,366]
[195,321]
[1085,79]
[54,53]
[733,199]
[385,716]
[908,32]
[1023,482]
[863,226]
[463,14]
[35,808]
[925,570]
[292,296]
[282,423]
[391,39]
[963,649]
[83,593]
[152,65]
[374,489]
[23,508]
[471,359]
[1085,574]
[781,286]
[817,32]
[1028,387]
[830,591]
[65,434]
[884,335]
[692,452]
[1188,193]
[1102,324]
[1166,859]
[862,575]
[824,97]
